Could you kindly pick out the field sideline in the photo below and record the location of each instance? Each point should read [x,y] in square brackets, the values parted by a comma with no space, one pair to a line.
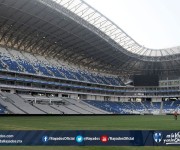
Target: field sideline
[89,123]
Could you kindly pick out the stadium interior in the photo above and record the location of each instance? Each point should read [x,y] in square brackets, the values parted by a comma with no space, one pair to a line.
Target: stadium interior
[61,57]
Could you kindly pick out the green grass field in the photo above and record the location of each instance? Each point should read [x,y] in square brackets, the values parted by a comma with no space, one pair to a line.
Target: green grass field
[89,123]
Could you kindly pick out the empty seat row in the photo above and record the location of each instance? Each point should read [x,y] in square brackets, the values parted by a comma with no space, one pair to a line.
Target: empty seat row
[24,63]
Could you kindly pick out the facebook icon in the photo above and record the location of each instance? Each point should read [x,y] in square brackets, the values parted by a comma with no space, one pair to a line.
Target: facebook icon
[45,139]
[157,137]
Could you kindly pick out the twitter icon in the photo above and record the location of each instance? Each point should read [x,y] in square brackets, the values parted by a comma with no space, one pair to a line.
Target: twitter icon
[79,139]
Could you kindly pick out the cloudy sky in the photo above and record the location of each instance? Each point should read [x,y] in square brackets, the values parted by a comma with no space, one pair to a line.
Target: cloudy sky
[152,23]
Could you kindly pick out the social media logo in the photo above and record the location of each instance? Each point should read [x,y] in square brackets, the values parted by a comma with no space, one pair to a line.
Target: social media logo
[104,138]
[79,139]
[157,137]
[45,139]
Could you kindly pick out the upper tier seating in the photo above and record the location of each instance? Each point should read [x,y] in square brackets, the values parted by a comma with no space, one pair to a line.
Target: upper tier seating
[13,60]
[23,61]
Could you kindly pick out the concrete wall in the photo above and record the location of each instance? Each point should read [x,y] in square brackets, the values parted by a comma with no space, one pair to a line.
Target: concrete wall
[100,98]
[156,99]
[74,96]
[91,97]
[124,99]
[114,99]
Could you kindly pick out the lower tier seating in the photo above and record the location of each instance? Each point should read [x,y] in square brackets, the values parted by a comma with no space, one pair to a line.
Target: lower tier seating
[29,104]
[136,107]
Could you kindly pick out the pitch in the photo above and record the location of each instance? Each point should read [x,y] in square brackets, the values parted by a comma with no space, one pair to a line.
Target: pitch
[89,123]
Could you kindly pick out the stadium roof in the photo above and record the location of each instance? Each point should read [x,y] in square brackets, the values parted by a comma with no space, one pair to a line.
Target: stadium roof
[94,17]
[76,32]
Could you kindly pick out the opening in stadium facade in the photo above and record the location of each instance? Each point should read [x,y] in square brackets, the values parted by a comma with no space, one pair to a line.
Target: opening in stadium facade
[65,57]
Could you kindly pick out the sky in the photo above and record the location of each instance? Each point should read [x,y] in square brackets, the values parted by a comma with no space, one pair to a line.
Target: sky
[152,23]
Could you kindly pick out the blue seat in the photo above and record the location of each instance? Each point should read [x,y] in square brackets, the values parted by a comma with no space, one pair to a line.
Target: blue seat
[67,73]
[124,107]
[12,65]
[2,109]
[55,72]
[39,67]
[98,79]
[78,76]
[27,66]
[42,69]
[102,79]
[88,77]
[111,80]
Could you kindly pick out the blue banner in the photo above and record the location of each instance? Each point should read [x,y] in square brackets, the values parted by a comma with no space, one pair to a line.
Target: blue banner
[90,138]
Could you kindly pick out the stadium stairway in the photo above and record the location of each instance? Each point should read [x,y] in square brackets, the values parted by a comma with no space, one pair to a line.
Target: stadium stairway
[161,108]
[89,108]
[72,108]
[60,112]
[78,106]
[64,109]
[92,108]
[145,109]
[9,104]
[3,66]
[22,105]
[46,108]
[29,108]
